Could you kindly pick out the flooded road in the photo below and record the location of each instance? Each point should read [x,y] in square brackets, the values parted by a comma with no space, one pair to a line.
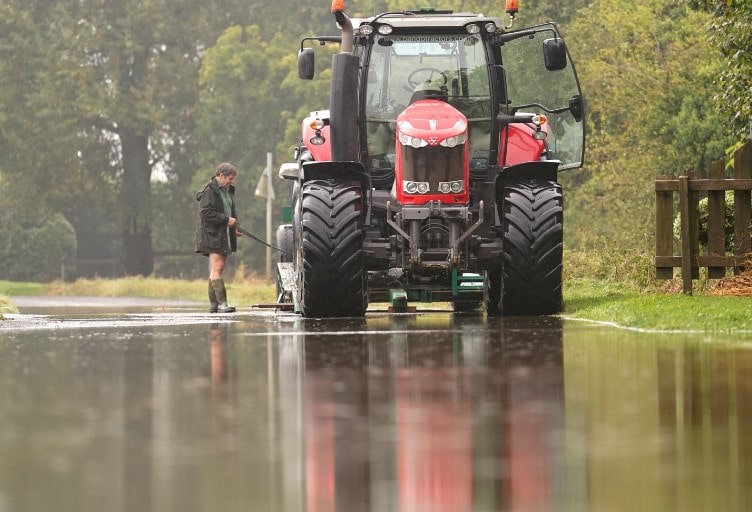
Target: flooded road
[160,407]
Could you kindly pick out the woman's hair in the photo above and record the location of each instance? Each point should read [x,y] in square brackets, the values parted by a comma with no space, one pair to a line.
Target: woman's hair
[226,169]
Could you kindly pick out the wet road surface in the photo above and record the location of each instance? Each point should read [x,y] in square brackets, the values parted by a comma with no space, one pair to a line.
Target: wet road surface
[161,407]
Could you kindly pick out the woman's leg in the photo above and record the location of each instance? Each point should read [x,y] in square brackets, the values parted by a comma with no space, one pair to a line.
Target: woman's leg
[216,268]
[217,263]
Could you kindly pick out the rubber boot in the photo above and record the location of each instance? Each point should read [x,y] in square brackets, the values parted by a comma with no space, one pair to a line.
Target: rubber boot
[213,304]
[221,293]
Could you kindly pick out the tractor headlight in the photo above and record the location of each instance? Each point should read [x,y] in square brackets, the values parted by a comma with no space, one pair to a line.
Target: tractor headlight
[384,30]
[450,142]
[415,187]
[415,142]
[472,28]
[366,29]
[451,187]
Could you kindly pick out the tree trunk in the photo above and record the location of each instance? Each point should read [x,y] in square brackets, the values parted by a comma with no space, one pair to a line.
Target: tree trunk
[135,203]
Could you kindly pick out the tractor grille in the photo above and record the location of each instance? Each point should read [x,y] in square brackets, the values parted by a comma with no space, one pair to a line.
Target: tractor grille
[433,164]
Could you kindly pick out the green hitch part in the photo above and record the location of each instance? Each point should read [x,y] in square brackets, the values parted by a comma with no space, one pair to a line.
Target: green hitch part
[286,214]
[465,282]
[398,299]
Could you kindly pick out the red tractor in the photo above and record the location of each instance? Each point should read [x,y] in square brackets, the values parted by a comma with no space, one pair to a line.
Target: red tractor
[433,174]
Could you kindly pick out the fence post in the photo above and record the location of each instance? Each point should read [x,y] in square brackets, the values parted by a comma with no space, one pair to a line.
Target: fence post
[694,225]
[742,206]
[664,228]
[686,260]
[716,220]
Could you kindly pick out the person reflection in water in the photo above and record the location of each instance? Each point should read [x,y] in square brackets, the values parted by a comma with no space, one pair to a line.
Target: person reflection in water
[223,385]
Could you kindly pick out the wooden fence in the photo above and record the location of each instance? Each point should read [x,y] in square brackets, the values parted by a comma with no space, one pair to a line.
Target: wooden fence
[690,187]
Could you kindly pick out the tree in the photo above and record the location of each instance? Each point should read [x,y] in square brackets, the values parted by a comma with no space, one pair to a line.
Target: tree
[647,78]
[529,13]
[730,31]
[251,103]
[120,73]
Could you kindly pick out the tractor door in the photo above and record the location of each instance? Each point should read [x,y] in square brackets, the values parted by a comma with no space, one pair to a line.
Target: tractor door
[540,78]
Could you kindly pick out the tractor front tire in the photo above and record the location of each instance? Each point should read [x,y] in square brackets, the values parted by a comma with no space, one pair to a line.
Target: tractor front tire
[533,246]
[331,274]
[285,244]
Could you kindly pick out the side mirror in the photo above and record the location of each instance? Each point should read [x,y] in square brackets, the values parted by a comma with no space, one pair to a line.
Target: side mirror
[289,171]
[305,64]
[554,54]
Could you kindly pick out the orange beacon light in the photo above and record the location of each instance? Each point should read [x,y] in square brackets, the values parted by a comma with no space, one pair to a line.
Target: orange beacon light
[339,5]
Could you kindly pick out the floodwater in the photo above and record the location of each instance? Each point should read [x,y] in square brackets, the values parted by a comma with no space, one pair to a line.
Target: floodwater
[165,408]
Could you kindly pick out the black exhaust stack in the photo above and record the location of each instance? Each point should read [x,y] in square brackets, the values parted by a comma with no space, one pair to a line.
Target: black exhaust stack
[343,96]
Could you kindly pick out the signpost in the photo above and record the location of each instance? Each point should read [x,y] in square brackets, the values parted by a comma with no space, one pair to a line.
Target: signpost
[264,189]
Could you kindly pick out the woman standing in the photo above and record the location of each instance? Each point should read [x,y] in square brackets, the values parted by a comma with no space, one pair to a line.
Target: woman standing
[216,231]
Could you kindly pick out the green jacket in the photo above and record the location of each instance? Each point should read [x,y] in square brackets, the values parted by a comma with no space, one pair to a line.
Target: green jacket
[212,233]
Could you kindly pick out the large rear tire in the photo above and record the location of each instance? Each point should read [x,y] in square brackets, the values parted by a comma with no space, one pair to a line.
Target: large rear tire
[533,247]
[331,275]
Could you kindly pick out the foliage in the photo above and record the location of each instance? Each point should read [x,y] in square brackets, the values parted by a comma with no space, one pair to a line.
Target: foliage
[605,260]
[35,251]
[250,98]
[6,306]
[702,211]
[730,31]
[645,72]
[112,87]
[529,13]
[97,95]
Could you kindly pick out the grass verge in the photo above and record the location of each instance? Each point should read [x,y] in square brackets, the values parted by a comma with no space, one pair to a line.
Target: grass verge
[588,299]
[244,292]
[622,305]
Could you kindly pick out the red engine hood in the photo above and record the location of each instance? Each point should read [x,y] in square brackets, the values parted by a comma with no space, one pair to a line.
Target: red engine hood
[432,121]
[427,154]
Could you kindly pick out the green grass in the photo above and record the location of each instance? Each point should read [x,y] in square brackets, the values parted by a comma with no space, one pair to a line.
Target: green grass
[14,288]
[8,288]
[587,299]
[242,292]
[621,305]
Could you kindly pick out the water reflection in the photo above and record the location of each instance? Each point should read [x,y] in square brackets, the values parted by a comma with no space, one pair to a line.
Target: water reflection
[462,417]
[392,413]
[658,423]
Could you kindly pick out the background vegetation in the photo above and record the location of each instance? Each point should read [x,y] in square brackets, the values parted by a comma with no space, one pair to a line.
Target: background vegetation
[113,114]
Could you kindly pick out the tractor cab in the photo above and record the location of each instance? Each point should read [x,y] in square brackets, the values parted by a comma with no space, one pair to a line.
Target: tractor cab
[473,64]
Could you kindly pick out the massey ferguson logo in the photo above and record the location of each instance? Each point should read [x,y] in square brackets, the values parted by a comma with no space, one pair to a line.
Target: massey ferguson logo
[433,141]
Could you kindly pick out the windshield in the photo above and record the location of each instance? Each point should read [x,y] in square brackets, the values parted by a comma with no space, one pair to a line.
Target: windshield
[406,68]
[400,65]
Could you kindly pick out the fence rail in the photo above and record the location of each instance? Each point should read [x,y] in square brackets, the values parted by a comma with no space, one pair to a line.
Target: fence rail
[689,188]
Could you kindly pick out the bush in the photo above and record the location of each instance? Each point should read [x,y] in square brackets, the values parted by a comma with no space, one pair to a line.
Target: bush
[702,209]
[35,251]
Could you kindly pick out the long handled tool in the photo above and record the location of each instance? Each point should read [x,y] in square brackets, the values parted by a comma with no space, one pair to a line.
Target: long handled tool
[254,237]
